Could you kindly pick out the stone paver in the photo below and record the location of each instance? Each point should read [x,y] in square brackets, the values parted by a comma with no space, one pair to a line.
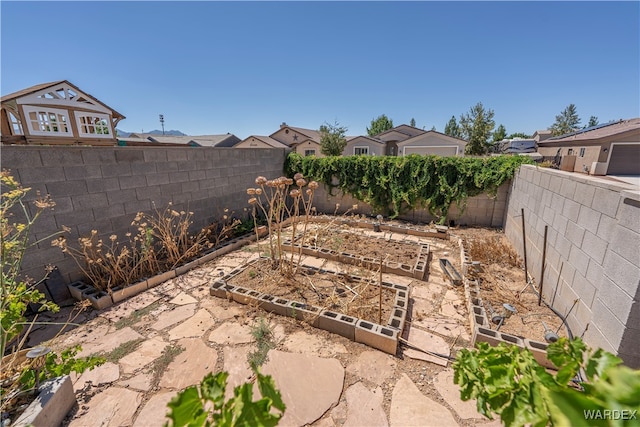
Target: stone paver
[154,411]
[384,364]
[193,327]
[364,407]
[182,299]
[409,407]
[231,333]
[303,342]
[443,326]
[309,385]
[103,374]
[127,307]
[452,305]
[140,382]
[171,317]
[113,407]
[220,313]
[190,366]
[109,342]
[427,341]
[419,355]
[87,335]
[450,392]
[237,366]
[143,355]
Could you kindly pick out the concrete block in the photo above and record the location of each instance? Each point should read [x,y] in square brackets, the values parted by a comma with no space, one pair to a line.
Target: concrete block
[623,273]
[548,216]
[127,182]
[571,210]
[376,336]
[102,185]
[595,247]
[220,289]
[629,213]
[626,243]
[585,290]
[90,201]
[188,187]
[66,188]
[176,154]
[117,170]
[143,169]
[99,299]
[15,157]
[568,188]
[77,288]
[595,273]
[129,155]
[78,172]
[136,206]
[606,227]
[579,259]
[539,351]
[575,233]
[157,178]
[611,327]
[122,293]
[584,193]
[555,182]
[616,300]
[178,176]
[397,319]
[304,312]
[557,202]
[62,156]
[150,193]
[563,245]
[588,218]
[596,339]
[338,324]
[98,156]
[74,218]
[54,402]
[606,201]
[197,175]
[121,196]
[154,154]
[160,278]
[244,295]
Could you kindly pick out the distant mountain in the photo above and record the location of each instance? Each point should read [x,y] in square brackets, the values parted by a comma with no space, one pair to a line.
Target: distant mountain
[125,134]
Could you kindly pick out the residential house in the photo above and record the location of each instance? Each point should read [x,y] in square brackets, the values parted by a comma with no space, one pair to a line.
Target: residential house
[139,139]
[57,113]
[607,149]
[300,140]
[364,145]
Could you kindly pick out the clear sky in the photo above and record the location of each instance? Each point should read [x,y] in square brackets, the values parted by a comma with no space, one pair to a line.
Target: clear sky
[246,67]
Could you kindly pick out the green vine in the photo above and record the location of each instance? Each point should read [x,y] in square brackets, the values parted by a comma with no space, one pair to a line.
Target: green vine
[394,185]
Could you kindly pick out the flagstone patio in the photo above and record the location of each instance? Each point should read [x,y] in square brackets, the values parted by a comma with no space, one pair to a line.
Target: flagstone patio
[325,379]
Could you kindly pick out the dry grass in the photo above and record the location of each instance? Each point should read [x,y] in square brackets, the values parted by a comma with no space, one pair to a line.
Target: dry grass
[492,250]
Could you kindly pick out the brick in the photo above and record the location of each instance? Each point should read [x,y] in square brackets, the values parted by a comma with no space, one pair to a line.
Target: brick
[155,154]
[176,154]
[606,227]
[149,193]
[616,300]
[188,187]
[548,216]
[575,233]
[557,202]
[121,196]
[555,183]
[14,157]
[560,223]
[170,189]
[595,273]
[594,246]
[589,218]
[66,188]
[579,259]
[622,272]
[568,188]
[168,167]
[117,169]
[98,156]
[127,182]
[629,214]
[30,176]
[129,155]
[608,323]
[197,175]
[626,243]
[571,210]
[584,194]
[157,179]
[82,172]
[90,201]
[585,290]
[606,201]
[102,185]
[62,156]
[143,168]
[179,176]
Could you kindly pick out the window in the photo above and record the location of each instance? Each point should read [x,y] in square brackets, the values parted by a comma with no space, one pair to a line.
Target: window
[47,121]
[309,153]
[94,125]
[360,151]
[582,152]
[570,151]
[15,123]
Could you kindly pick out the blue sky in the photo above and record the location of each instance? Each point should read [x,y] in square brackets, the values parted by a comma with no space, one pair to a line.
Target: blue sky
[245,67]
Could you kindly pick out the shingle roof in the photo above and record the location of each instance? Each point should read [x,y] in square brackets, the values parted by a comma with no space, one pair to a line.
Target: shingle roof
[269,141]
[597,132]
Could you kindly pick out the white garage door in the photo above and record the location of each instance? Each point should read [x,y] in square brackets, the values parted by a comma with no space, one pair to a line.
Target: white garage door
[624,160]
[438,151]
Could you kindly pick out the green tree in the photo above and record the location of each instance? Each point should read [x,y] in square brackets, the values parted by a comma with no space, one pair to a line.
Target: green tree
[332,139]
[519,135]
[499,134]
[379,125]
[452,128]
[433,128]
[566,122]
[593,121]
[412,123]
[476,127]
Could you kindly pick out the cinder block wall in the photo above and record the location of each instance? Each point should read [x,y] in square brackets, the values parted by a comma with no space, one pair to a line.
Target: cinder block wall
[103,188]
[593,252]
[480,210]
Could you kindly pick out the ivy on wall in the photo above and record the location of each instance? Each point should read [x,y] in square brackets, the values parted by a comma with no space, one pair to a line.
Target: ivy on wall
[393,185]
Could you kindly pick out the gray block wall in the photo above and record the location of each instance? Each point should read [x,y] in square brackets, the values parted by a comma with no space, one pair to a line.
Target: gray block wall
[480,210]
[593,252]
[103,188]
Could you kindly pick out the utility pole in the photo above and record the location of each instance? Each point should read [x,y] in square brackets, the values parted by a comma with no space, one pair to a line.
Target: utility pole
[162,123]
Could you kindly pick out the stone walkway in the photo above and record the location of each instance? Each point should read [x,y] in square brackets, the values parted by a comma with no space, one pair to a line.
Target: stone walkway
[171,336]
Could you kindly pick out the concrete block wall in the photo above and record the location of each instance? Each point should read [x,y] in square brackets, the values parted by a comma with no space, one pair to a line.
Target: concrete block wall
[103,188]
[593,252]
[480,210]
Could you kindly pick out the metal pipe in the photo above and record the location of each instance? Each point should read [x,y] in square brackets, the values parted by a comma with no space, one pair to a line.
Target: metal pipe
[544,258]
[524,245]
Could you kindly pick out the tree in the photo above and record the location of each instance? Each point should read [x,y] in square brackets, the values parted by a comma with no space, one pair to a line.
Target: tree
[593,121]
[332,139]
[412,123]
[433,128]
[452,128]
[566,122]
[476,127]
[500,133]
[519,135]
[379,125]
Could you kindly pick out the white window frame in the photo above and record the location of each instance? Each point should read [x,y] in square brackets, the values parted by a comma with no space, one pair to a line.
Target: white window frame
[361,147]
[15,123]
[82,114]
[310,150]
[28,109]
[582,151]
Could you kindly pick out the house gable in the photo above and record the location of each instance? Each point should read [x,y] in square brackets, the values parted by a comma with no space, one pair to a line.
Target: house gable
[290,135]
[372,146]
[432,142]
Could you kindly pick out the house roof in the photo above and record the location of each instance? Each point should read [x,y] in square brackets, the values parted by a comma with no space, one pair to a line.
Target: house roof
[42,86]
[405,129]
[268,140]
[451,139]
[377,141]
[595,133]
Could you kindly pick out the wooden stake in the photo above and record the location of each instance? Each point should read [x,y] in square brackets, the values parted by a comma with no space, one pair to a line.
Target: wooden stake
[380,294]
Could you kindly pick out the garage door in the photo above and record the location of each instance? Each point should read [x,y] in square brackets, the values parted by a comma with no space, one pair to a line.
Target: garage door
[438,151]
[624,160]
